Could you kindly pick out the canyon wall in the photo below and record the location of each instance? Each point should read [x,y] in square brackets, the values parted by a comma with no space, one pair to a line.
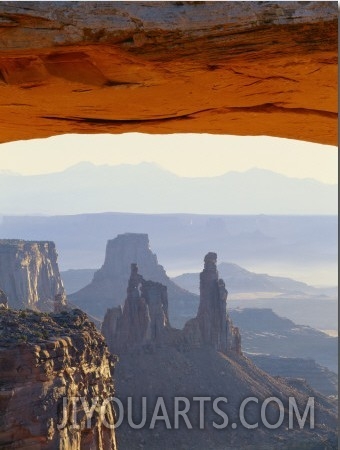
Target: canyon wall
[46,360]
[241,68]
[29,273]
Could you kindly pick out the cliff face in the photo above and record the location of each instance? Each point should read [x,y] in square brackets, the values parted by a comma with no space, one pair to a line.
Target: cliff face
[29,273]
[46,360]
[248,68]
[108,287]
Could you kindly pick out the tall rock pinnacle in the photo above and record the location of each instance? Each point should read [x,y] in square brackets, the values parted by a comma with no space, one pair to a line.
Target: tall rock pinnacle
[212,326]
[212,311]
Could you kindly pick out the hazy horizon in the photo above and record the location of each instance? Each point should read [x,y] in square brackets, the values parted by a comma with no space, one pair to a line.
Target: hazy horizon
[148,188]
[186,155]
[86,163]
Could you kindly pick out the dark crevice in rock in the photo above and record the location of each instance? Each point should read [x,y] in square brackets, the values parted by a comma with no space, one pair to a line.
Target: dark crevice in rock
[97,121]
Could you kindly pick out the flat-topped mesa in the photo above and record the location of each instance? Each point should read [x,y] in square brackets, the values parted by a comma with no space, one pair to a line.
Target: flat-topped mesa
[29,273]
[212,325]
[143,319]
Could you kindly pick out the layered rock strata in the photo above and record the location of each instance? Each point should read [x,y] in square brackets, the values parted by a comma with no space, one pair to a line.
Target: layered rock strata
[29,273]
[241,68]
[51,366]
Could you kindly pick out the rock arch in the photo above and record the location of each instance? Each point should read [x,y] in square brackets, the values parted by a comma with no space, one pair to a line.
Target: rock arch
[244,68]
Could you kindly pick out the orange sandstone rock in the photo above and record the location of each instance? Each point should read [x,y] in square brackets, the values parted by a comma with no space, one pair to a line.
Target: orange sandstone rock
[243,68]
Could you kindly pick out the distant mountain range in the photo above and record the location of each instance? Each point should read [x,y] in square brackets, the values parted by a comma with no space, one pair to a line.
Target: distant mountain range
[147,188]
[238,279]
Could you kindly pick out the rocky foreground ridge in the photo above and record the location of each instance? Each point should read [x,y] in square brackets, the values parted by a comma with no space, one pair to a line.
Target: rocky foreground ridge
[45,358]
[241,68]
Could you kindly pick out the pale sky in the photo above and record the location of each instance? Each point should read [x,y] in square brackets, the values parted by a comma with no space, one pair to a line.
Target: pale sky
[183,154]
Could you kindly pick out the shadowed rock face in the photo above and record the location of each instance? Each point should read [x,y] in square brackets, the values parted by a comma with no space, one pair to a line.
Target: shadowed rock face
[45,359]
[143,319]
[246,68]
[212,325]
[212,310]
[29,273]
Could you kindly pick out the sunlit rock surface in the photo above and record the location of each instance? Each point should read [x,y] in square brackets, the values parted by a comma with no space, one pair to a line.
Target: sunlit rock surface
[45,359]
[29,273]
[243,68]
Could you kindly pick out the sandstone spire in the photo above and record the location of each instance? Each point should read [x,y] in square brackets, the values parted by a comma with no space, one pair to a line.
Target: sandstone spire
[212,325]
[212,310]
[144,317]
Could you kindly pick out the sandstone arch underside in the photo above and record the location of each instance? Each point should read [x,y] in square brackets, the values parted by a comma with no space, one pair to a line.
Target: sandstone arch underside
[244,68]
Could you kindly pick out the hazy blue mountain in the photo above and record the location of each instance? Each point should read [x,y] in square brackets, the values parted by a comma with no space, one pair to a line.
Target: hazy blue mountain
[238,279]
[300,247]
[147,188]
[75,279]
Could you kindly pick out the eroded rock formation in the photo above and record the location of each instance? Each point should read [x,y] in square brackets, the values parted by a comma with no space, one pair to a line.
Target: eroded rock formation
[212,325]
[29,273]
[45,359]
[108,287]
[248,68]
[143,319]
[204,358]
